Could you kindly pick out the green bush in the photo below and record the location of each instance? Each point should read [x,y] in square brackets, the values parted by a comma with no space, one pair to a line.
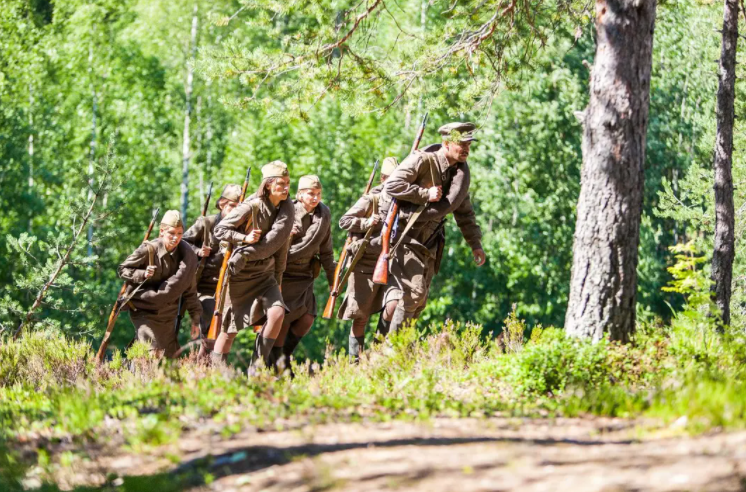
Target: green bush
[44,359]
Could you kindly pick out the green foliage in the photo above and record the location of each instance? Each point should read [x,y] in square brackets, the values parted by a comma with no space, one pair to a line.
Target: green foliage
[41,360]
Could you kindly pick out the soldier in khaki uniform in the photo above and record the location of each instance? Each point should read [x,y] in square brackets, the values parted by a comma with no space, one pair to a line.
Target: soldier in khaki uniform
[364,298]
[421,180]
[310,250]
[258,262]
[158,273]
[201,237]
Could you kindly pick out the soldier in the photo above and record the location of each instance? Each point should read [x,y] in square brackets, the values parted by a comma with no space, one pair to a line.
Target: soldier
[310,250]
[211,255]
[364,298]
[158,273]
[258,262]
[421,180]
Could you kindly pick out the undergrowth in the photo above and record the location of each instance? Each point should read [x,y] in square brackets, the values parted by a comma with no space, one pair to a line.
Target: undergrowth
[51,390]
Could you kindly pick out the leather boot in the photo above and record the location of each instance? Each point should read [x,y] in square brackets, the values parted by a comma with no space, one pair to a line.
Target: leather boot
[383,326]
[355,347]
[262,349]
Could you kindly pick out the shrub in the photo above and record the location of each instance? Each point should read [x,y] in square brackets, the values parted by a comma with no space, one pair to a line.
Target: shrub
[42,359]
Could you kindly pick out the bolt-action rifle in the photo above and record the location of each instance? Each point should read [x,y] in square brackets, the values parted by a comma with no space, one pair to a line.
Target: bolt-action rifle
[381,272]
[200,267]
[217,317]
[338,282]
[120,302]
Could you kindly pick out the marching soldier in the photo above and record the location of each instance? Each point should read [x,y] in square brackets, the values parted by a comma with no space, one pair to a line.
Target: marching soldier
[363,297]
[258,262]
[310,250]
[423,179]
[201,236]
[158,273]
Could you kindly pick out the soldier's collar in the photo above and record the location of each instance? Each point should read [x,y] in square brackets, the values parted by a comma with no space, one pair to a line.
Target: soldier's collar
[162,251]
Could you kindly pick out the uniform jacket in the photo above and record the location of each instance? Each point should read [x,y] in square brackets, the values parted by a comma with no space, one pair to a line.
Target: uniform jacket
[195,237]
[270,252]
[174,276]
[315,238]
[409,184]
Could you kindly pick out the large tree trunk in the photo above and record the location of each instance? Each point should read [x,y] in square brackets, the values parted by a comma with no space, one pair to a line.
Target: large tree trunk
[722,256]
[604,271]
[188,86]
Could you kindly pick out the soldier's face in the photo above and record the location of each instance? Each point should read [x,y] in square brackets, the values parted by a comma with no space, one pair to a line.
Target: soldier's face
[310,197]
[280,188]
[171,237]
[227,207]
[458,152]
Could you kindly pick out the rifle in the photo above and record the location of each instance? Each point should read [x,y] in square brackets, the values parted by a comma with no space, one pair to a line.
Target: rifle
[217,317]
[381,272]
[118,304]
[334,293]
[200,267]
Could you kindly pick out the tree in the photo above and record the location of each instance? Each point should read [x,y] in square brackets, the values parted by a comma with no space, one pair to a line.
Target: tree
[603,285]
[724,248]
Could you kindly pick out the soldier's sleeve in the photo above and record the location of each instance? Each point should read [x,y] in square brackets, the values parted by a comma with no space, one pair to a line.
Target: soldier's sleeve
[134,267]
[466,220]
[354,219]
[230,228]
[275,237]
[402,182]
[450,202]
[170,289]
[195,235]
[326,255]
[281,261]
[191,302]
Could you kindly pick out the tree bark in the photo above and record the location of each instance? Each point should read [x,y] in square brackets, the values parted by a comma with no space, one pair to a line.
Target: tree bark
[724,249]
[603,287]
[185,150]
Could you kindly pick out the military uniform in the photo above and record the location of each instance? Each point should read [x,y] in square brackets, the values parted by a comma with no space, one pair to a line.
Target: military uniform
[154,307]
[363,297]
[207,281]
[256,269]
[417,259]
[312,244]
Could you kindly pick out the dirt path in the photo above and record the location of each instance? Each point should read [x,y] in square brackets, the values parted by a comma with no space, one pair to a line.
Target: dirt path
[446,455]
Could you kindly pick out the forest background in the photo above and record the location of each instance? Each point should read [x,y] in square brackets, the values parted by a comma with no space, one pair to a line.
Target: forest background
[88,87]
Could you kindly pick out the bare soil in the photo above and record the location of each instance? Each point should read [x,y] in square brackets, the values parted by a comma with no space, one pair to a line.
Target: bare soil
[498,454]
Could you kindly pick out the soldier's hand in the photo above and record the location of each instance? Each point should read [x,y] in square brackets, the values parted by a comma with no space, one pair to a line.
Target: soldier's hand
[205,251]
[150,271]
[296,229]
[434,193]
[253,236]
[195,331]
[372,222]
[479,256]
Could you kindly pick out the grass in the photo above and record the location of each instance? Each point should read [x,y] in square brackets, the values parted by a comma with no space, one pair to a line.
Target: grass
[51,390]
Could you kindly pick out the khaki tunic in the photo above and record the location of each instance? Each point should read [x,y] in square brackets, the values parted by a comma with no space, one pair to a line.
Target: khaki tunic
[255,270]
[363,297]
[207,283]
[414,264]
[156,302]
[313,243]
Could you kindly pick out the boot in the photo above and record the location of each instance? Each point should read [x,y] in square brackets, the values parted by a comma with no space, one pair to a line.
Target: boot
[277,359]
[397,320]
[382,328]
[356,347]
[291,342]
[262,348]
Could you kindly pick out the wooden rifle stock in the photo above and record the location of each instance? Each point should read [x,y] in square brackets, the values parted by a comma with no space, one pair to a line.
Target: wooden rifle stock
[334,293]
[381,272]
[217,316]
[117,307]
